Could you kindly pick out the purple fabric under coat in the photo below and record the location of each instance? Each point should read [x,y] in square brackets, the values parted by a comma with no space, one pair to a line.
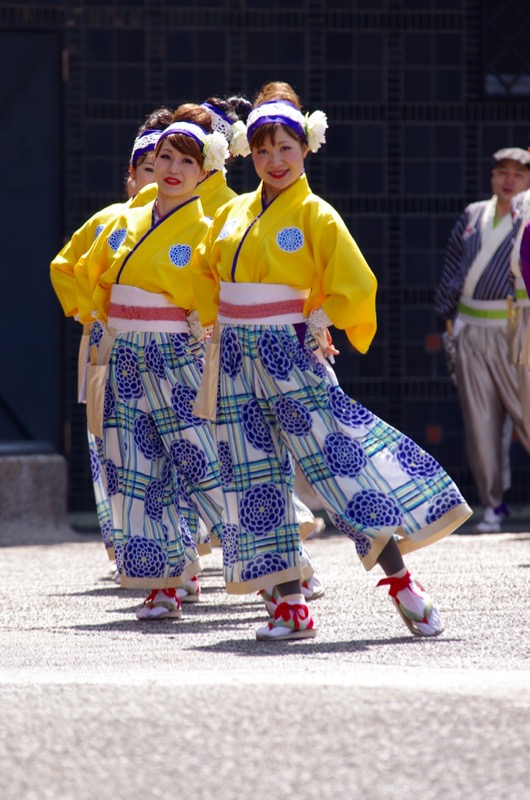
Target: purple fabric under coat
[525,256]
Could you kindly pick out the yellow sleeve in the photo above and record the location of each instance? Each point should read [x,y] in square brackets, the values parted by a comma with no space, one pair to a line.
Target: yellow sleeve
[88,270]
[348,284]
[205,281]
[62,269]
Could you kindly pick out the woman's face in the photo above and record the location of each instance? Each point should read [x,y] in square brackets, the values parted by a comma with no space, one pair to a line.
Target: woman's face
[177,174]
[144,172]
[280,163]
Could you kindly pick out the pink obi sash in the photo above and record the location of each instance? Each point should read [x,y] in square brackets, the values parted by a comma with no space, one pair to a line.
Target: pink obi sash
[260,304]
[134,309]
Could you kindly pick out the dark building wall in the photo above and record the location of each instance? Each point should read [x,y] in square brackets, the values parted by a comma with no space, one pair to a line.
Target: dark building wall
[418,96]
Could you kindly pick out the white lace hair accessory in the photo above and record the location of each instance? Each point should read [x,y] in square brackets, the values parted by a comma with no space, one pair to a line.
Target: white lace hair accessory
[235,133]
[144,143]
[220,121]
[214,146]
[310,127]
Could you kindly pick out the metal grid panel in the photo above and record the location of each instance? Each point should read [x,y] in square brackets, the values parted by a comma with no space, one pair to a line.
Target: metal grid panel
[403,84]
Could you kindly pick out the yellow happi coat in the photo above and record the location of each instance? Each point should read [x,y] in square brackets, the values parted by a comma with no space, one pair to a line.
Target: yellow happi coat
[298,240]
[62,267]
[213,192]
[156,259]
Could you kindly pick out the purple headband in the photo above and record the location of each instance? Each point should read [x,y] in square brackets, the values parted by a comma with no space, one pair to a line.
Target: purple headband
[144,143]
[213,146]
[187,129]
[277,111]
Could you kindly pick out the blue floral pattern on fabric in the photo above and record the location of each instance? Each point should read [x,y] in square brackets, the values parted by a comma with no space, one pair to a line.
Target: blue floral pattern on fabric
[182,494]
[263,564]
[117,238]
[112,478]
[317,367]
[230,540]
[180,343]
[96,333]
[154,360]
[255,427]
[293,417]
[107,533]
[178,568]
[127,374]
[414,460]
[109,402]
[180,255]
[167,473]
[118,557]
[98,230]
[231,359]
[276,361]
[227,228]
[295,352]
[189,460]
[225,461]
[143,558]
[344,456]
[443,503]
[262,508]
[199,363]
[185,532]
[147,438]
[361,541]
[182,400]
[95,464]
[154,499]
[348,411]
[288,469]
[290,239]
[373,509]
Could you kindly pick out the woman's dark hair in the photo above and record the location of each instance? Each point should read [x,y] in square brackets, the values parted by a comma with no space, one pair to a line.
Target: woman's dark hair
[157,120]
[235,107]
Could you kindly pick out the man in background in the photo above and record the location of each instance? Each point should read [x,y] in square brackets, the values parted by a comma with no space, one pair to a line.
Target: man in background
[475,299]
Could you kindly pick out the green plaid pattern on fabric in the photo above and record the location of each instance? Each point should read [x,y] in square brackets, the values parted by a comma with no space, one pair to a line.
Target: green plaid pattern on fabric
[161,462]
[276,396]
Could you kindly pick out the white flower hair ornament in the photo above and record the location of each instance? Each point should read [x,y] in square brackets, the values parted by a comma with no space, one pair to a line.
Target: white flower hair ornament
[316,125]
[215,151]
[238,142]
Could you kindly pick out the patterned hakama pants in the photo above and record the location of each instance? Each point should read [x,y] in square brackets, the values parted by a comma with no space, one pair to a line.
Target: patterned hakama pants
[160,460]
[375,483]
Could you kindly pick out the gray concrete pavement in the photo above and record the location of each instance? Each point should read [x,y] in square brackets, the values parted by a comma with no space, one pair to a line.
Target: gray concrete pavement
[95,705]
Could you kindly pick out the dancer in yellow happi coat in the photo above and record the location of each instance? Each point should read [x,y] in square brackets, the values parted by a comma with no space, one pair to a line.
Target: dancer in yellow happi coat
[140,173]
[272,260]
[159,457]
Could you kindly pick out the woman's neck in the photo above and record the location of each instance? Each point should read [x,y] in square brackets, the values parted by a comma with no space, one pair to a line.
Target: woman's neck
[165,205]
